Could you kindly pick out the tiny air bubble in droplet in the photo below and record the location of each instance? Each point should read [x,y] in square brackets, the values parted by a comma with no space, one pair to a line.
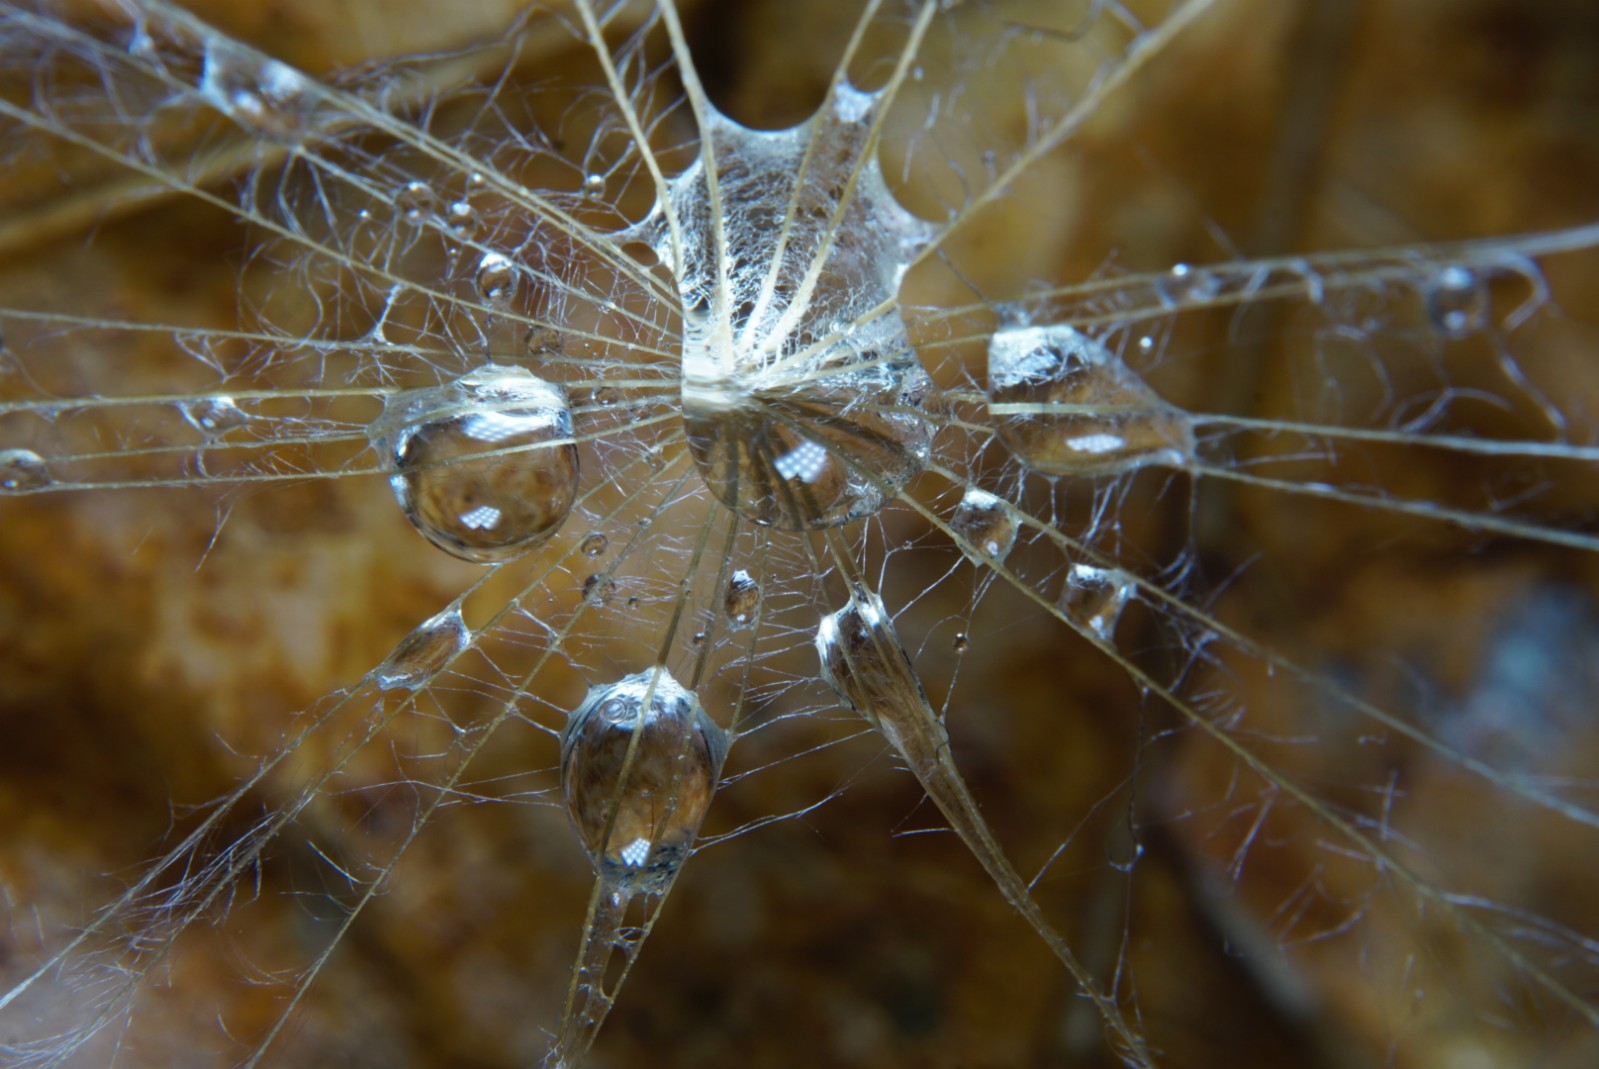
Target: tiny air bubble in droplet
[985,525]
[594,545]
[1095,597]
[485,467]
[417,202]
[495,278]
[640,761]
[742,599]
[421,654]
[1457,302]
[22,470]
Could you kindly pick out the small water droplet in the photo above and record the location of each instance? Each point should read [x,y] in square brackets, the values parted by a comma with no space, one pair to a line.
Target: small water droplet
[632,602]
[698,639]
[257,92]
[640,761]
[1457,302]
[1095,597]
[961,643]
[486,468]
[594,545]
[1066,405]
[986,525]
[476,183]
[594,184]
[462,219]
[421,654]
[598,590]
[742,600]
[495,278]
[23,470]
[214,416]
[417,202]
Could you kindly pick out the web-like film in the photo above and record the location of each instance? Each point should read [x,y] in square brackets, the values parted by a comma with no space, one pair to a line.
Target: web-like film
[857,533]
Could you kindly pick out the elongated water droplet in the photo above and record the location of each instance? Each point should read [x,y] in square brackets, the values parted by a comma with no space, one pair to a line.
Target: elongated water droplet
[416,201]
[637,818]
[262,94]
[462,219]
[22,470]
[986,525]
[865,664]
[594,545]
[1067,405]
[1457,302]
[742,599]
[495,278]
[214,416]
[1095,597]
[485,466]
[421,654]
[961,642]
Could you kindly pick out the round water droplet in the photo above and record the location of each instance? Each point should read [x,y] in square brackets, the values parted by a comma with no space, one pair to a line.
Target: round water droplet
[697,639]
[1095,597]
[985,526]
[632,602]
[495,278]
[417,202]
[594,184]
[1457,302]
[961,642]
[421,654]
[808,442]
[22,470]
[640,760]
[485,466]
[742,600]
[1066,405]
[476,183]
[214,416]
[598,590]
[462,219]
[594,545]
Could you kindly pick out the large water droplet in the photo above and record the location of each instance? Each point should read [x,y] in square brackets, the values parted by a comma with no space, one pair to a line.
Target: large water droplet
[1066,405]
[1457,302]
[637,817]
[214,416]
[485,466]
[809,442]
[1095,597]
[986,525]
[864,662]
[421,654]
[22,470]
[495,278]
[742,599]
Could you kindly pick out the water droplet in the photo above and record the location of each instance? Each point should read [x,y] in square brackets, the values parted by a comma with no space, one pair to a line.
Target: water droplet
[1185,285]
[476,183]
[598,590]
[817,442]
[986,525]
[421,654]
[594,184]
[640,760]
[1067,405]
[742,600]
[416,201]
[867,666]
[22,470]
[1095,597]
[594,545]
[698,639]
[257,92]
[544,341]
[462,219]
[1457,302]
[214,416]
[485,466]
[632,602]
[961,643]
[495,279]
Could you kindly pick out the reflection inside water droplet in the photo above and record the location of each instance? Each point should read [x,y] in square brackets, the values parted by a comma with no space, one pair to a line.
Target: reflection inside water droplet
[985,525]
[421,654]
[742,599]
[1095,597]
[22,470]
